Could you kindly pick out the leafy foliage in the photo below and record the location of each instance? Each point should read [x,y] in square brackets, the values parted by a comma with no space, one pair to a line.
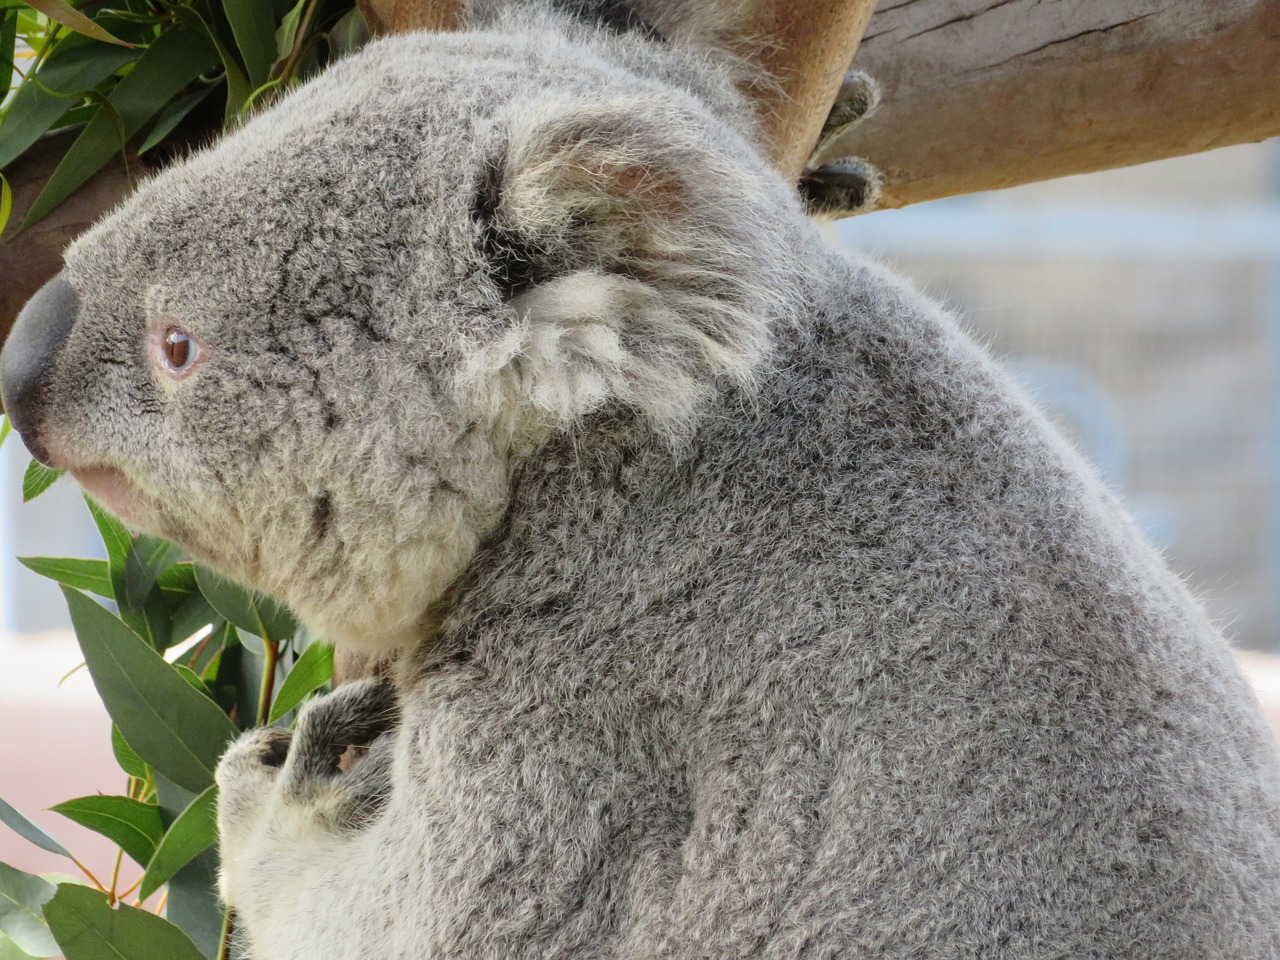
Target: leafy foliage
[149,73]
[179,681]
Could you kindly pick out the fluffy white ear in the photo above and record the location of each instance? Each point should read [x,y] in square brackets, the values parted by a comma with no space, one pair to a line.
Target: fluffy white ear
[624,247]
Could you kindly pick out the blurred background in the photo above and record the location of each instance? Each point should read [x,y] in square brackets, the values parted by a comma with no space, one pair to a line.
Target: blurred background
[1141,306]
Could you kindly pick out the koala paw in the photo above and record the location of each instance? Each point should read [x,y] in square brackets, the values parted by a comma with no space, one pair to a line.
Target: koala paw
[332,773]
[844,184]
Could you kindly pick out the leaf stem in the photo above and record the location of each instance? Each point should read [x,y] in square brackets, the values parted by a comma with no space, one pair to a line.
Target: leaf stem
[272,648]
[88,873]
[299,42]
[115,878]
[224,940]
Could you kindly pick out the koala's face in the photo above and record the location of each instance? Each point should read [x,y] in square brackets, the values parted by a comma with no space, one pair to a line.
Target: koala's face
[313,354]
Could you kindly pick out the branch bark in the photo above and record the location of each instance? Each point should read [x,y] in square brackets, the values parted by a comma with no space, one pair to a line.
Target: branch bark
[984,94]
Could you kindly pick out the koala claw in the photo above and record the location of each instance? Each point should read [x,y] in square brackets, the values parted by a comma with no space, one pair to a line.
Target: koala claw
[841,186]
[858,98]
[844,184]
[335,767]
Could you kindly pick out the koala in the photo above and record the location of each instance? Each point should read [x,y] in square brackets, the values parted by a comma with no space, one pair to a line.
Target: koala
[739,606]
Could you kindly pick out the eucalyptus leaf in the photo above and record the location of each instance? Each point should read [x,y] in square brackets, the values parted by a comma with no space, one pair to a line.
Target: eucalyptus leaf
[6,208]
[192,901]
[254,28]
[75,65]
[312,671]
[194,831]
[83,574]
[131,825]
[179,578]
[126,756]
[11,951]
[22,895]
[349,34]
[173,727]
[174,114]
[73,19]
[145,559]
[117,540]
[4,421]
[29,831]
[37,479]
[87,928]
[8,43]
[248,611]
[175,59]
[238,86]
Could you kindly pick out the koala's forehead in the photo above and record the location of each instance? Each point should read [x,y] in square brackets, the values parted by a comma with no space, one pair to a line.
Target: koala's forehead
[350,183]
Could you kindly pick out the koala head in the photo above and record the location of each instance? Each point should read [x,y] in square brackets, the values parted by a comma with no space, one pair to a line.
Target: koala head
[314,354]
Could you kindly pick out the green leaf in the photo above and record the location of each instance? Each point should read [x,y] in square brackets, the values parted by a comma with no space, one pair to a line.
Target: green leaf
[173,727]
[37,479]
[254,28]
[6,207]
[349,34]
[91,575]
[76,64]
[11,951]
[174,114]
[117,541]
[248,611]
[8,42]
[29,831]
[144,561]
[4,421]
[126,756]
[175,59]
[191,615]
[73,19]
[238,86]
[194,831]
[179,578]
[192,902]
[21,897]
[131,825]
[87,928]
[312,671]
[287,32]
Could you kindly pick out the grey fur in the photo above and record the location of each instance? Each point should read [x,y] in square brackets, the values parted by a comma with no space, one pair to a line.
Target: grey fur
[746,609]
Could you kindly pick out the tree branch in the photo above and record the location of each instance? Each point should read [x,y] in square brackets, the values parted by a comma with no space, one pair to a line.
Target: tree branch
[984,94]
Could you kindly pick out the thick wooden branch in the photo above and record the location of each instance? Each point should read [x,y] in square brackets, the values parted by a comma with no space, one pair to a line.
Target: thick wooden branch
[983,94]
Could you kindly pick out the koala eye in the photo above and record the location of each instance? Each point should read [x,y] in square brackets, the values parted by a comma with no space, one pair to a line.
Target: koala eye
[180,350]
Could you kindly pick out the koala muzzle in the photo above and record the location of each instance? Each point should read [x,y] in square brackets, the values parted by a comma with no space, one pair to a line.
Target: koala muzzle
[26,363]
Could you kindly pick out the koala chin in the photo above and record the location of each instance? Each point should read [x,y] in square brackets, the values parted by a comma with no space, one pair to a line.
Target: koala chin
[740,606]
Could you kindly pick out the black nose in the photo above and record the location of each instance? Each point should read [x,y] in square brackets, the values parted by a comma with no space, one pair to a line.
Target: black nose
[26,362]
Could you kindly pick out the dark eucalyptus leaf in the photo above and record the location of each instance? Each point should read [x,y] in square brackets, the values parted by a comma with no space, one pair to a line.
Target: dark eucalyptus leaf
[22,895]
[86,927]
[175,59]
[173,727]
[131,825]
[75,65]
[194,831]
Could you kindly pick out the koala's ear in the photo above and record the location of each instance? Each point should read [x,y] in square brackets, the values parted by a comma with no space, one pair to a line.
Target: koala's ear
[606,232]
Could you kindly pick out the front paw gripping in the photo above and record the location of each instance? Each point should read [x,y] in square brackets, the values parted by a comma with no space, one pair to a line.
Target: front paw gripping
[332,773]
[841,185]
